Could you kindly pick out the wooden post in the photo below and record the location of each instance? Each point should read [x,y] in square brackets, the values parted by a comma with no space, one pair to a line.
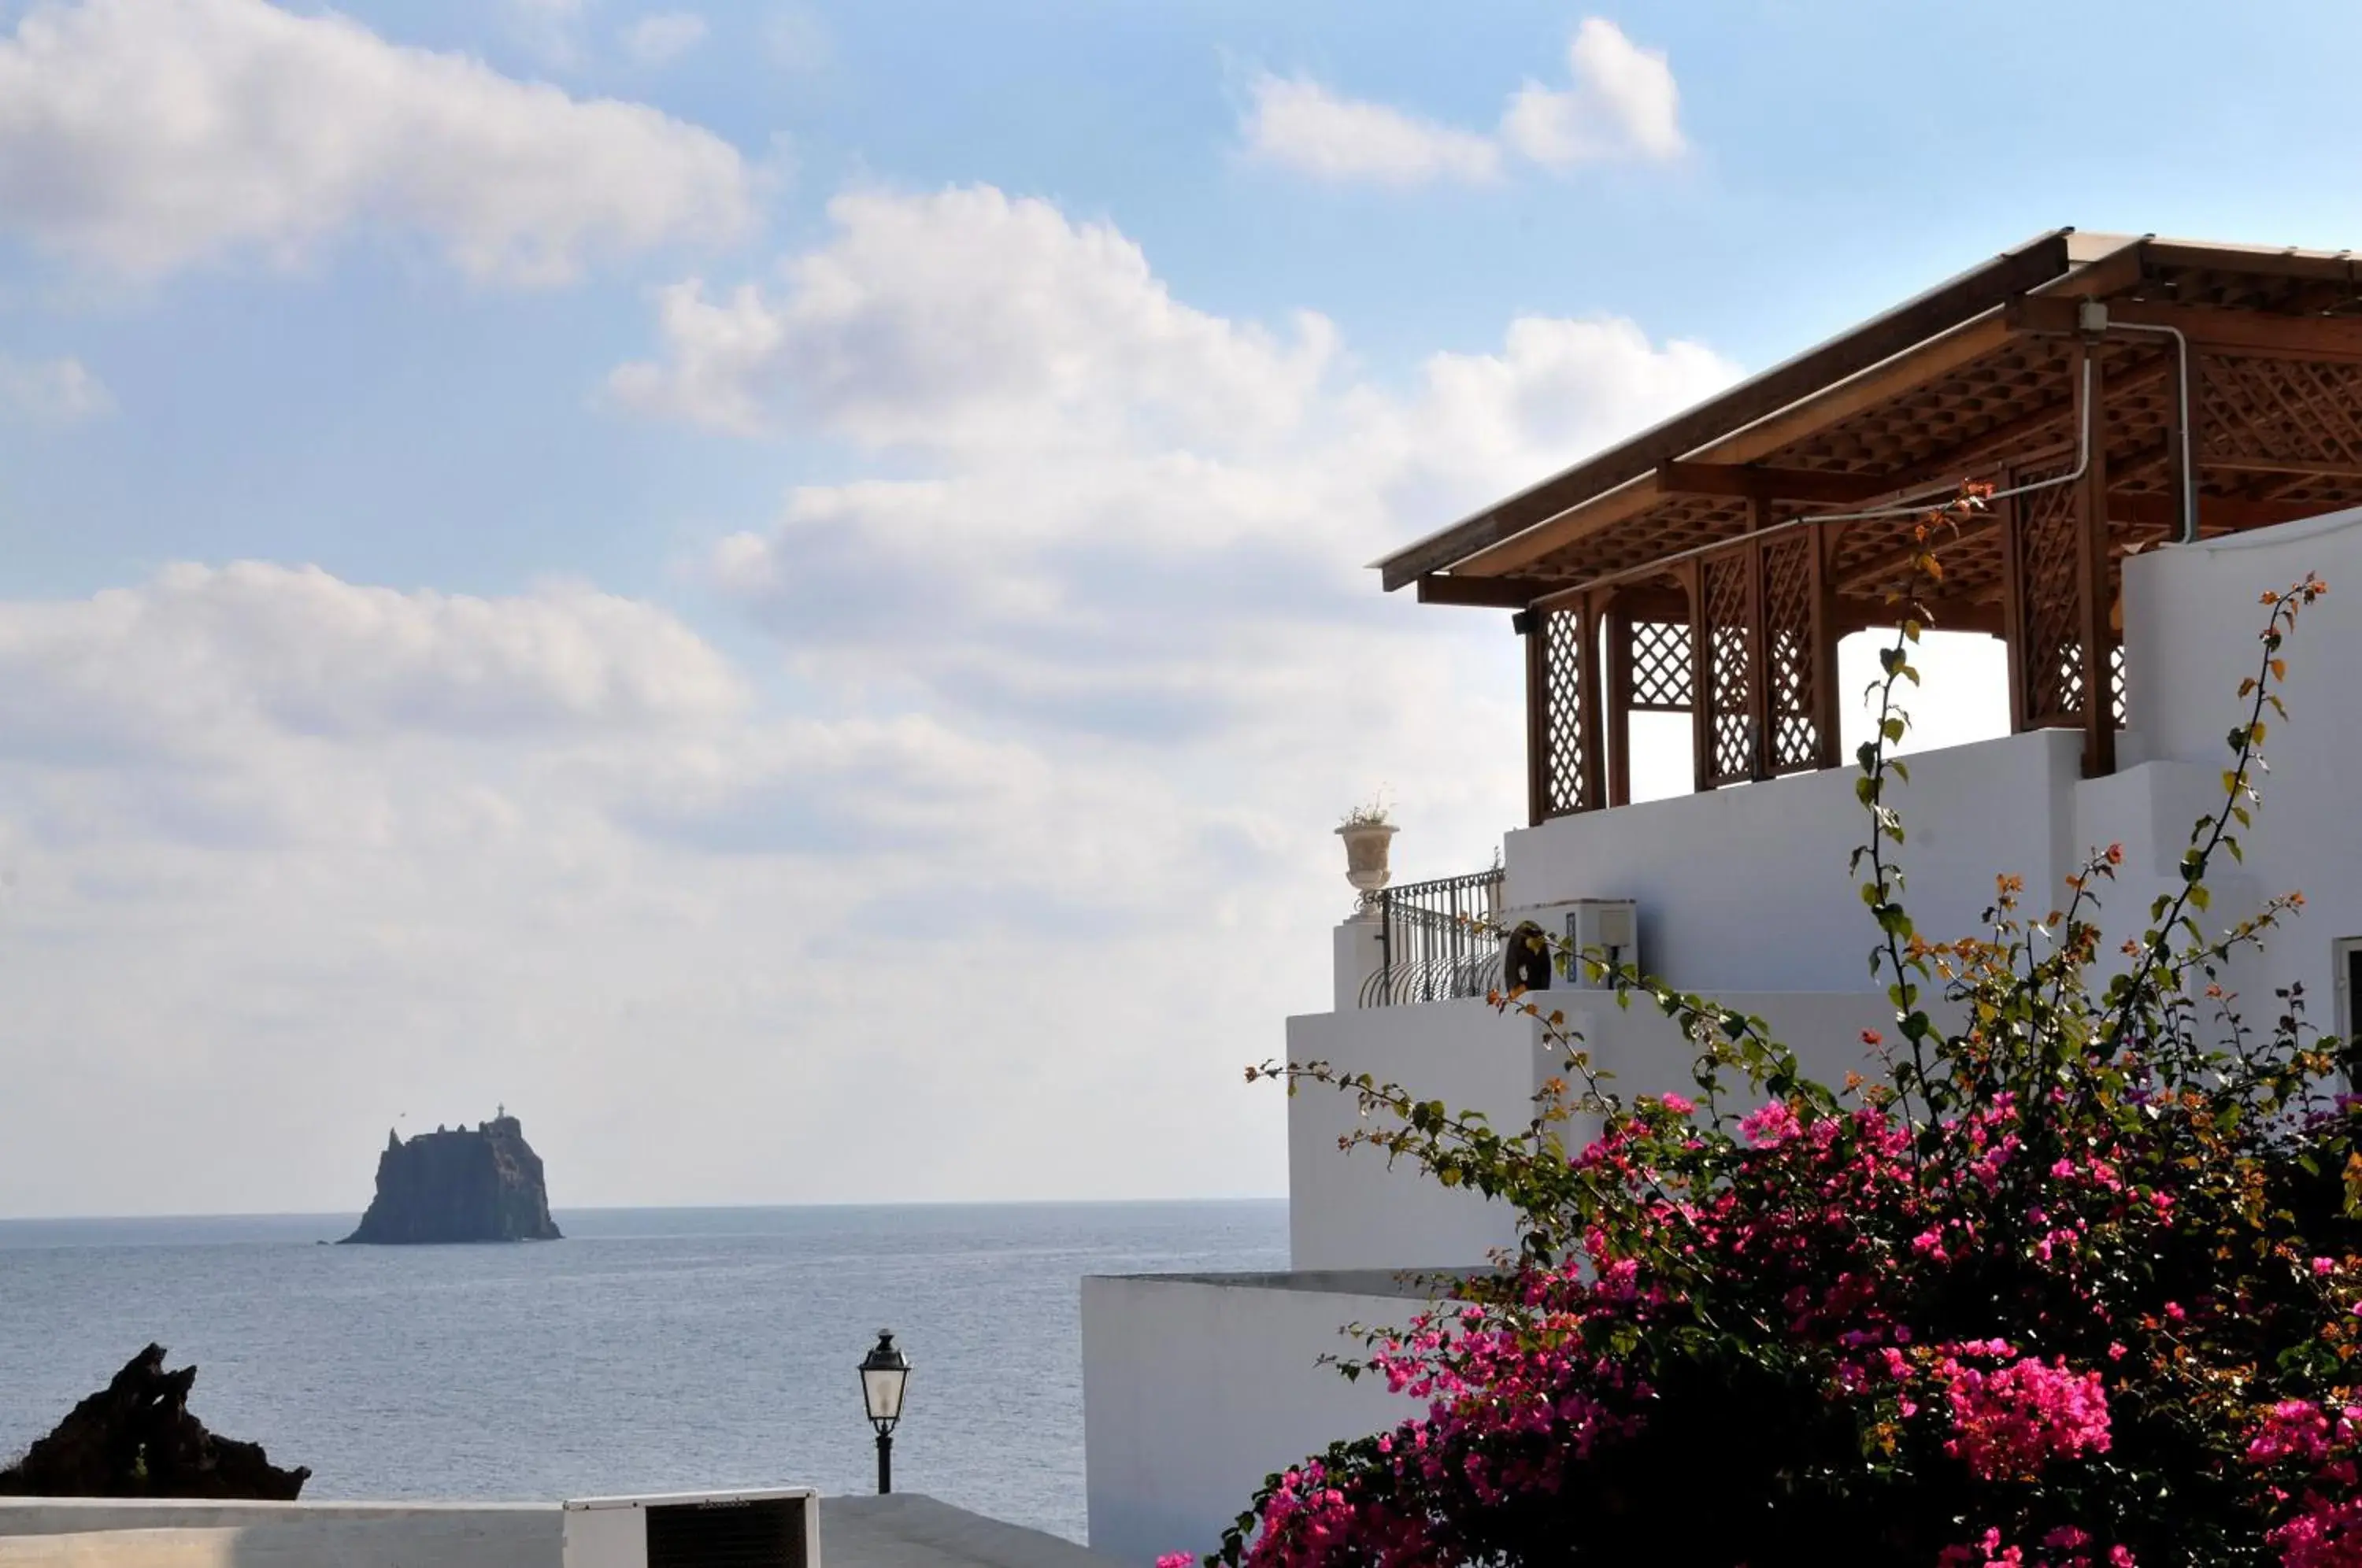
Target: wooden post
[1618,671]
[1759,650]
[2013,603]
[1701,679]
[1594,783]
[1527,624]
[1824,646]
[2091,629]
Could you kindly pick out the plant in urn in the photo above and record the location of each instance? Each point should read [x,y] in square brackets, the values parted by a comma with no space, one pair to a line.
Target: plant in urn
[1368,835]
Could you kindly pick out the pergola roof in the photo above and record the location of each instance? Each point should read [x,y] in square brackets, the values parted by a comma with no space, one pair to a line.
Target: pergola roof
[1974,379]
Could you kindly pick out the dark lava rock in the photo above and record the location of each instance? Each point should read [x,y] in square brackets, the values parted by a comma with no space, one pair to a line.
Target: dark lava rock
[135,1438]
[460,1185]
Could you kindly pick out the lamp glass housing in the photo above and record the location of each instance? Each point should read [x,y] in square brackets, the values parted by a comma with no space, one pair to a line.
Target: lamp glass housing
[885,1372]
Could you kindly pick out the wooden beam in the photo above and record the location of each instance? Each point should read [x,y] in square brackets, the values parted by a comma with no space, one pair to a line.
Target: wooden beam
[2092,633]
[2216,514]
[2280,466]
[2121,268]
[1944,614]
[2292,263]
[1485,592]
[1939,311]
[1593,516]
[1960,462]
[2145,509]
[1641,602]
[2250,331]
[1885,564]
[1748,482]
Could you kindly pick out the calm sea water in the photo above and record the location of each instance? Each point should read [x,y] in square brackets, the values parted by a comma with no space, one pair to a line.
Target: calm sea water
[652,1349]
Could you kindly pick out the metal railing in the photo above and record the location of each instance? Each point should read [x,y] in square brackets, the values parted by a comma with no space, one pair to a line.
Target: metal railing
[1437,940]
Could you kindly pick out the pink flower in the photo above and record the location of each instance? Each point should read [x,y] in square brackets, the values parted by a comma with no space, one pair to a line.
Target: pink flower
[1679,1105]
[2325,1533]
[2291,1429]
[1177,1559]
[1771,1126]
[2009,1423]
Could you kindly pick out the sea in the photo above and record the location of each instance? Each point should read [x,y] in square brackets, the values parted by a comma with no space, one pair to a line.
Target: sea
[651,1351]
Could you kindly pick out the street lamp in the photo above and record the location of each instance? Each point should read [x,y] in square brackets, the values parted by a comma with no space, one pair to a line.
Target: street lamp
[884,1371]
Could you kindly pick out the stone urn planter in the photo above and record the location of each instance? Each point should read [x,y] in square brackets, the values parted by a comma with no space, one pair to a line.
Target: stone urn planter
[1367,846]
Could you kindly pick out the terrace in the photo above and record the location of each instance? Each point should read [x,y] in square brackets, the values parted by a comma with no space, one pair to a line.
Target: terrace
[2116,393]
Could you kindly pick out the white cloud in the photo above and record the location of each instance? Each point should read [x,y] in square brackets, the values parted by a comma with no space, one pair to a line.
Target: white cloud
[190,661]
[1130,518]
[661,39]
[1300,125]
[1622,105]
[51,390]
[149,135]
[968,319]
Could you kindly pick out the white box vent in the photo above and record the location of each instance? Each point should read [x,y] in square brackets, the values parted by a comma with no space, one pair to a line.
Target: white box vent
[775,1528]
[1610,927]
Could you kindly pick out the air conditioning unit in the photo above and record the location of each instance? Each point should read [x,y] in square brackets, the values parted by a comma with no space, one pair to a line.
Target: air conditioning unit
[1610,928]
[776,1528]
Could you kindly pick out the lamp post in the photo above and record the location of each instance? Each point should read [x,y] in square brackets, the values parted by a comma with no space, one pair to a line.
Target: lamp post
[884,1371]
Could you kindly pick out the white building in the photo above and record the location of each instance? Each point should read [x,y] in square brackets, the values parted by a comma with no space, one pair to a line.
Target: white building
[2181,426]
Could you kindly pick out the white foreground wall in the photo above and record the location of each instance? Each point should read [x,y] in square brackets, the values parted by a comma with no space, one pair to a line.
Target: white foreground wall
[905,1530]
[143,1534]
[1196,1388]
[1354,1210]
[1348,1209]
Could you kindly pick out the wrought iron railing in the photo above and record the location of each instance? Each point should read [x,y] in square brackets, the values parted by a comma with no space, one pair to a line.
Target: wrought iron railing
[1437,940]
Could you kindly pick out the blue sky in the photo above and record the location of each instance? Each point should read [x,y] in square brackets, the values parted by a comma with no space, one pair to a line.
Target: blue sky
[660,564]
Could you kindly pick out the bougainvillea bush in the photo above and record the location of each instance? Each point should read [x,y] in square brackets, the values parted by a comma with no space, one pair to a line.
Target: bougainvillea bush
[2072,1280]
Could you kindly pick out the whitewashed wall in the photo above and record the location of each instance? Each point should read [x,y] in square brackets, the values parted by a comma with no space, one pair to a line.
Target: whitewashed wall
[2190,620]
[1747,888]
[1195,1388]
[1350,1211]
[52,1534]
[1353,1210]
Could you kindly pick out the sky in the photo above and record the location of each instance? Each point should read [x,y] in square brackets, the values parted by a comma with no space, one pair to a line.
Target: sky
[782,588]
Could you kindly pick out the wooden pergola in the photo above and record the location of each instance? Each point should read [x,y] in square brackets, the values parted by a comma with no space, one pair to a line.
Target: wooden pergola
[2131,392]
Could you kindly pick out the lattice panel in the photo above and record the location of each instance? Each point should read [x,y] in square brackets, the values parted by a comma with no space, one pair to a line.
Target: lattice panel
[1661,667]
[1730,675]
[2052,654]
[1789,663]
[2287,411]
[2116,698]
[1565,777]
